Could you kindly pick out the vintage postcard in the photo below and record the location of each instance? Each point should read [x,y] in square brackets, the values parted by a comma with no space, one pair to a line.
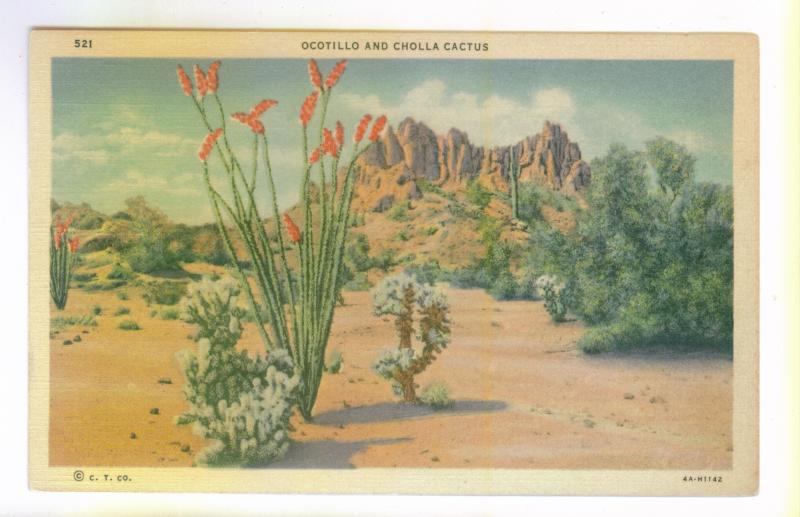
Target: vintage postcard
[377,262]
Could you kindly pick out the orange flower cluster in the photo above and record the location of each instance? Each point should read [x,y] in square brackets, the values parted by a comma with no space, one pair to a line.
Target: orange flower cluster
[339,134]
[206,83]
[251,119]
[314,156]
[208,144]
[73,244]
[329,146]
[184,81]
[291,229]
[377,128]
[362,128]
[307,109]
[61,230]
[335,74]
[314,75]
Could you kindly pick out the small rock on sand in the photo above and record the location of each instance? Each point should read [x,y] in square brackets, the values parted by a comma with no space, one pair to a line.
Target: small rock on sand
[628,396]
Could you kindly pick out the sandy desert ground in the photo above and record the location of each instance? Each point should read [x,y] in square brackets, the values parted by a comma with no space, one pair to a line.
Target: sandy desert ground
[525,398]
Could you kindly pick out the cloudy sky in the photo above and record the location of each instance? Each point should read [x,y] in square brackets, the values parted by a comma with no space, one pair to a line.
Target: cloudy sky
[122,127]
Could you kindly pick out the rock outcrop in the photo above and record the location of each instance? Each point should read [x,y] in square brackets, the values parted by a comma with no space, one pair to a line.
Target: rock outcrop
[402,157]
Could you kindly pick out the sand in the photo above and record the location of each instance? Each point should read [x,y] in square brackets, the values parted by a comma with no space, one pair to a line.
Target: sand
[524,396]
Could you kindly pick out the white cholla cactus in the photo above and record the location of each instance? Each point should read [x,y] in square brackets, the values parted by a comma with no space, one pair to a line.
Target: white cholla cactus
[243,404]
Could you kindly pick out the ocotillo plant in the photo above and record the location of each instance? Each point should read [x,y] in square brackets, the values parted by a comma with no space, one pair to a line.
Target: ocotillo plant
[297,303]
[513,181]
[401,296]
[63,251]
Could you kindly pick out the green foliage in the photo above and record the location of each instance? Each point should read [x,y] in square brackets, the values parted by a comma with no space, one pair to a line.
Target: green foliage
[386,260]
[428,272]
[123,295]
[647,266]
[129,325]
[120,272]
[357,253]
[97,310]
[357,282]
[164,293]
[61,322]
[170,314]
[402,236]
[555,297]
[430,230]
[121,311]
[399,212]
[334,364]
[673,164]
[437,396]
[242,404]
[477,194]
[148,239]
[63,258]
[532,197]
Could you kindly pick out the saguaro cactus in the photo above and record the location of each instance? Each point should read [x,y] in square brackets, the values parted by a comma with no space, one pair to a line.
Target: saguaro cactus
[512,169]
[401,296]
[297,304]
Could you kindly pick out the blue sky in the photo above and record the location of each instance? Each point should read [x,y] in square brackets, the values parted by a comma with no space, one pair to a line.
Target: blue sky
[122,127]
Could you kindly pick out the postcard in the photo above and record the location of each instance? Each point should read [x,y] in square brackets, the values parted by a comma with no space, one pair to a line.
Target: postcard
[387,262]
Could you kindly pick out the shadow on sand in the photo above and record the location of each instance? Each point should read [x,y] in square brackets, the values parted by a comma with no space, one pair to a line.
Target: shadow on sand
[392,411]
[327,454]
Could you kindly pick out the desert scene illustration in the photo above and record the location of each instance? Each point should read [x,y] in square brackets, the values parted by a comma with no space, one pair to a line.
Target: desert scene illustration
[289,264]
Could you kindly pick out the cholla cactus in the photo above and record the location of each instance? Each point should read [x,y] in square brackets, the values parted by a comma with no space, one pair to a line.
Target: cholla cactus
[402,296]
[554,297]
[241,403]
[63,252]
[297,304]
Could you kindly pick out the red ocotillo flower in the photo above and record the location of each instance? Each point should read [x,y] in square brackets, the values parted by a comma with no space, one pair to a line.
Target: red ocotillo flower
[377,128]
[244,118]
[73,244]
[256,126]
[362,128]
[262,106]
[314,156]
[336,73]
[339,134]
[307,109]
[200,80]
[208,144]
[291,229]
[61,229]
[212,79]
[314,75]
[329,146]
[185,82]
[251,119]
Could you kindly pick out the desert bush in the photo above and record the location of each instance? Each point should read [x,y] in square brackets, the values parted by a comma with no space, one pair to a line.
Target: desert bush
[243,404]
[170,314]
[477,194]
[121,311]
[129,325]
[386,260]
[399,212]
[62,322]
[84,277]
[554,296]
[97,310]
[402,296]
[123,295]
[647,265]
[164,293]
[334,364]
[402,236]
[120,272]
[357,282]
[437,396]
[357,253]
[430,230]
[146,241]
[428,272]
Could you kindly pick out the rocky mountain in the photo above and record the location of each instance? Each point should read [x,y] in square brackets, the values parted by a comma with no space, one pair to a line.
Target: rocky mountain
[392,168]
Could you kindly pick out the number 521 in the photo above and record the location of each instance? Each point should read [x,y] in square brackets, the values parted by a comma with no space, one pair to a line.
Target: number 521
[83,43]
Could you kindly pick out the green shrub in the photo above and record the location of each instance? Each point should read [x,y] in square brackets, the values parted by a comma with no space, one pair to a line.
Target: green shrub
[430,230]
[357,253]
[386,260]
[170,314]
[402,236]
[123,295]
[334,364]
[84,277]
[62,322]
[129,325]
[399,212]
[477,194]
[121,311]
[554,294]
[119,272]
[357,282]
[164,293]
[97,310]
[428,272]
[437,396]
[243,405]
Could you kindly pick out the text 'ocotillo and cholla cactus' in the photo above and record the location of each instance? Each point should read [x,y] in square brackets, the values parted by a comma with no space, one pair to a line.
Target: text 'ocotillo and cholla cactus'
[243,404]
[402,296]
[63,252]
[297,303]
